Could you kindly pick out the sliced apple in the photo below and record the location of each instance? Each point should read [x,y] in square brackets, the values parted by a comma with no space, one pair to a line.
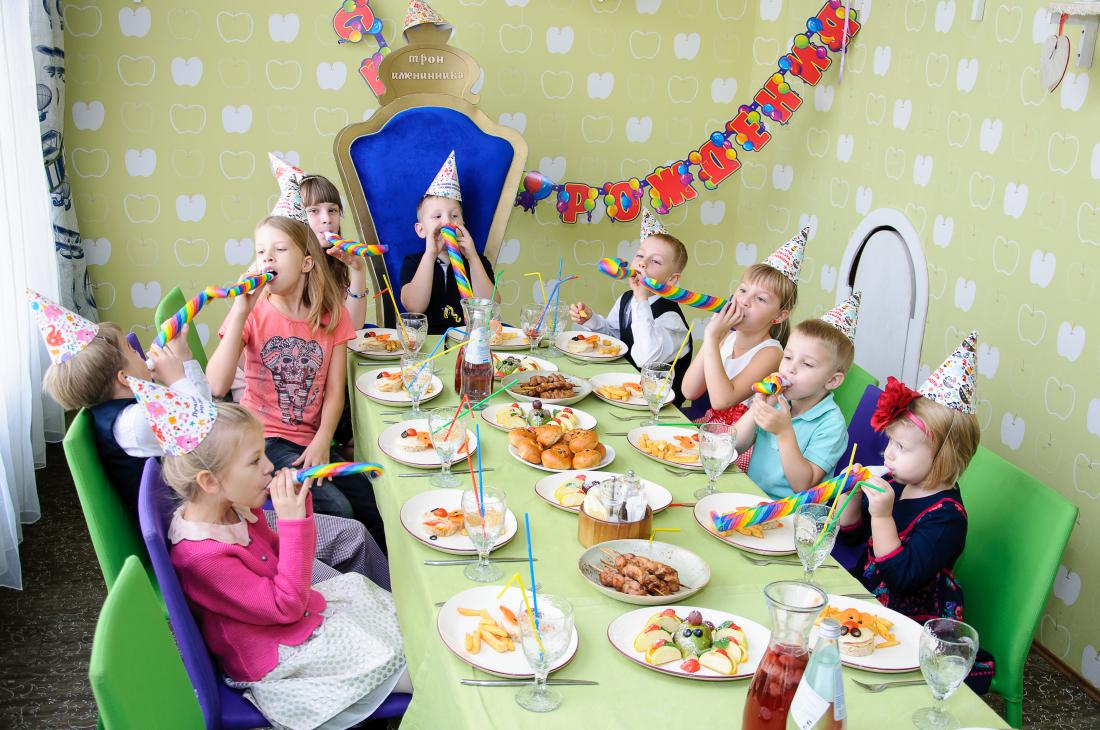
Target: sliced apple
[717,660]
[667,620]
[737,651]
[662,652]
[735,633]
[647,638]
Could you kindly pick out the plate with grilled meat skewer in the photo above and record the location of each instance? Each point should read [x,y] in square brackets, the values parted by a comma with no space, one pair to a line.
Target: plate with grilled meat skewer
[557,389]
[644,573]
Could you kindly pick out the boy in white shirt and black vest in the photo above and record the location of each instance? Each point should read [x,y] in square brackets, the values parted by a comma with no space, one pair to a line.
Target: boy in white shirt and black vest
[651,326]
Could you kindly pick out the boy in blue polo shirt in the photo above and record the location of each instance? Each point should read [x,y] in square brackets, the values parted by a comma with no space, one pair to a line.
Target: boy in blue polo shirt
[800,435]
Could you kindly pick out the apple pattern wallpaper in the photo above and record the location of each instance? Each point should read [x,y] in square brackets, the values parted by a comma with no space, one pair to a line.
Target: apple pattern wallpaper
[174,105]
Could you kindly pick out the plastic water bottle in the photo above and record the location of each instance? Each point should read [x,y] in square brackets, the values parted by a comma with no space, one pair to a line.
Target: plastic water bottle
[818,702]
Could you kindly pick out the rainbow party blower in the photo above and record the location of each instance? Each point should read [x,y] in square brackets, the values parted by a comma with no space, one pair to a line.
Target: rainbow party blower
[174,324]
[337,469]
[821,494]
[355,248]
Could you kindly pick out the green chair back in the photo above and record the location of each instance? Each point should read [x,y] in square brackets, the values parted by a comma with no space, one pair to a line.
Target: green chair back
[851,390]
[173,302]
[1006,573]
[113,528]
[136,673]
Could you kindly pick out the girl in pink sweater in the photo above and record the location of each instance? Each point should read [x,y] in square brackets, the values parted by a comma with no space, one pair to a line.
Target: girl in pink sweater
[308,657]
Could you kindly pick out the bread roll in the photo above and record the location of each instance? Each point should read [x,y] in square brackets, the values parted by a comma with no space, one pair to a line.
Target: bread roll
[558,457]
[547,435]
[580,439]
[528,450]
[602,450]
[586,459]
[520,434]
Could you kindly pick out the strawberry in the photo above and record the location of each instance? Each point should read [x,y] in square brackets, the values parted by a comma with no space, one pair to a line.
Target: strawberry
[691,665]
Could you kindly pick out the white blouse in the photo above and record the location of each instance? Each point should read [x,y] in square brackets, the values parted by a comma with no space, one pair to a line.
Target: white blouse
[735,365]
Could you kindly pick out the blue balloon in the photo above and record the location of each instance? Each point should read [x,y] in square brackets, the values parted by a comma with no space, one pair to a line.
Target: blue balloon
[813,25]
[718,138]
[376,27]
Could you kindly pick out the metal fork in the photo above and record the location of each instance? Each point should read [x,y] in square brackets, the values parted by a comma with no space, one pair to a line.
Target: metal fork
[764,561]
[876,688]
[677,473]
[629,418]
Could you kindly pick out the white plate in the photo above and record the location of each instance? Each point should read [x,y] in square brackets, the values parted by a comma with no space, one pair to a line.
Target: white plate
[450,499]
[365,385]
[635,403]
[693,571]
[427,459]
[356,345]
[544,365]
[622,631]
[662,433]
[657,496]
[453,627]
[905,657]
[779,541]
[517,341]
[586,420]
[581,389]
[607,459]
[562,339]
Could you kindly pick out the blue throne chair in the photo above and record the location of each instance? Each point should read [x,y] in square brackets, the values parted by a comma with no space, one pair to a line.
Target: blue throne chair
[387,162]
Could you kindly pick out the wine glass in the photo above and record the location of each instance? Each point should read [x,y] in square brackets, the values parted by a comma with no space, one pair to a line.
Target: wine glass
[484,526]
[947,652]
[414,331]
[544,643]
[654,389]
[449,429]
[561,324]
[814,536]
[416,374]
[716,452]
[533,323]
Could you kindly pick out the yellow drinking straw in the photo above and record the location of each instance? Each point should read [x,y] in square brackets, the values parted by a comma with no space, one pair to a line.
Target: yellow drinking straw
[523,592]
[396,311]
[660,529]
[836,499]
[541,286]
[672,369]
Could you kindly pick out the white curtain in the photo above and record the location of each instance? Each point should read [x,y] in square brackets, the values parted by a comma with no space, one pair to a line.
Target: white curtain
[26,260]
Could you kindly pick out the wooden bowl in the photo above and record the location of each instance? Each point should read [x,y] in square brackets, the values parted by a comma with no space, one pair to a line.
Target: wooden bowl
[591,531]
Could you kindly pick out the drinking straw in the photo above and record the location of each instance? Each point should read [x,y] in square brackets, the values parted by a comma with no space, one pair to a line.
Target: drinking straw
[380,293]
[458,412]
[442,339]
[396,311]
[660,529]
[845,505]
[523,592]
[672,369]
[496,280]
[496,392]
[480,479]
[847,470]
[541,286]
[531,565]
[473,480]
[554,293]
[557,296]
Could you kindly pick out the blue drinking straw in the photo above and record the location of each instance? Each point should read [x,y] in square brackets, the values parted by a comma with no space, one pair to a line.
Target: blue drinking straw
[480,481]
[531,567]
[557,297]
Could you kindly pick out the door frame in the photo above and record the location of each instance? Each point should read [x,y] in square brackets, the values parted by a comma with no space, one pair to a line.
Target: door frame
[876,220]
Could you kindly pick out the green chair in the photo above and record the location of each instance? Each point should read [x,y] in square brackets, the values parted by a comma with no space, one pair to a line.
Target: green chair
[851,390]
[136,673]
[113,528]
[1006,573]
[172,303]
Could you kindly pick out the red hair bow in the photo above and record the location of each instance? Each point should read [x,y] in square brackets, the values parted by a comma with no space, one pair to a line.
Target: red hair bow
[892,403]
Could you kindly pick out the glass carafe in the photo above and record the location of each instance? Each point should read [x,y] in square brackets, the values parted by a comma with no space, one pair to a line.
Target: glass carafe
[474,369]
[794,607]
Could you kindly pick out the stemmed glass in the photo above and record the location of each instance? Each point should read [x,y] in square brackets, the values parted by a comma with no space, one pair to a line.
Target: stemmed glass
[562,324]
[484,531]
[654,389]
[414,332]
[447,440]
[814,536]
[416,374]
[716,452]
[555,631]
[947,652]
[533,324]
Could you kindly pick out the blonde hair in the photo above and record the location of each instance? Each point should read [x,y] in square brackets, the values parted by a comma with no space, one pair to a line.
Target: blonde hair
[214,454]
[321,294]
[782,287]
[426,198]
[679,250]
[87,378]
[843,349]
[954,434]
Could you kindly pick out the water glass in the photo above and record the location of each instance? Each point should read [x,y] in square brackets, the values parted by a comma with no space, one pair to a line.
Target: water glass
[716,451]
[563,323]
[544,643]
[534,325]
[416,374]
[484,526]
[654,387]
[814,536]
[448,435]
[414,332]
[947,652]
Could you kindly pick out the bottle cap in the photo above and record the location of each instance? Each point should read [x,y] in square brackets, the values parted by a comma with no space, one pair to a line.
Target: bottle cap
[829,629]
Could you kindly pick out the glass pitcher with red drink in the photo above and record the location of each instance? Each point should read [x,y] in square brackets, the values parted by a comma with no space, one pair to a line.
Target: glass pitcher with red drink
[794,607]
[474,366]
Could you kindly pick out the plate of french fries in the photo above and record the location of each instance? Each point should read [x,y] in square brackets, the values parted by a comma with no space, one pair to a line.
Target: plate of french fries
[480,627]
[896,636]
[623,390]
[774,538]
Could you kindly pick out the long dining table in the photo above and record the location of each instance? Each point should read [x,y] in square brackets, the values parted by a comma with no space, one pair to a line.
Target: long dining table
[628,695]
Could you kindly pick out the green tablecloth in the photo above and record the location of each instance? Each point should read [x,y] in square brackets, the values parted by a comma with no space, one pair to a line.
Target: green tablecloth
[628,696]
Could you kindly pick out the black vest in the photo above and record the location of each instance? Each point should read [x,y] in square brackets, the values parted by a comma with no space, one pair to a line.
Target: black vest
[123,470]
[659,307]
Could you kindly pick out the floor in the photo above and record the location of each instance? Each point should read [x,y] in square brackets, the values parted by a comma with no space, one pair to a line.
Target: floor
[46,630]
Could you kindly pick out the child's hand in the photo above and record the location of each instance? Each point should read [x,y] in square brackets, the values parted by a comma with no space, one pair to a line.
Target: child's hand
[773,420]
[641,293]
[465,242]
[165,366]
[180,347]
[350,260]
[879,504]
[724,320]
[289,501]
[316,453]
[580,313]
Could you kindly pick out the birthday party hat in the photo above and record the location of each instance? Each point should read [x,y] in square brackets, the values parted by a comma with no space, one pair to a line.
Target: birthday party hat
[65,333]
[845,315]
[290,203]
[787,259]
[419,13]
[445,184]
[179,421]
[651,224]
[952,384]
[283,170]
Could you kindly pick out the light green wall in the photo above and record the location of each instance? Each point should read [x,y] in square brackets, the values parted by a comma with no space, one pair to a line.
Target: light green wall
[1039,382]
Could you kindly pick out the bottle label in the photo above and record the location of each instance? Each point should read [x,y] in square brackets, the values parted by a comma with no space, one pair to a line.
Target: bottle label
[807,707]
[477,349]
[840,711]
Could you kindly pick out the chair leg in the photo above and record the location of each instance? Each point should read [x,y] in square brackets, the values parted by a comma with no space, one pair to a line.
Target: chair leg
[1014,712]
